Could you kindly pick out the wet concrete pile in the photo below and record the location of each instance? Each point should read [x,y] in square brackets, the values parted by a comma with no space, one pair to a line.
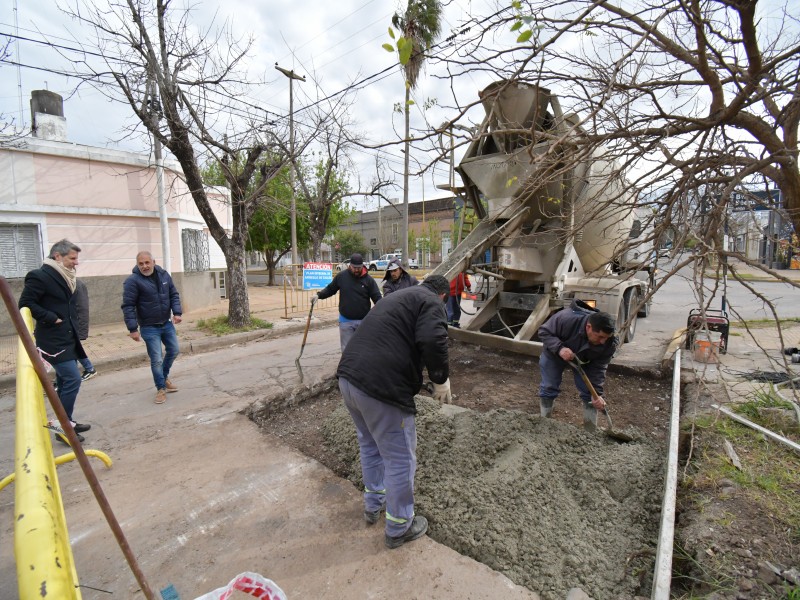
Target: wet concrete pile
[549,505]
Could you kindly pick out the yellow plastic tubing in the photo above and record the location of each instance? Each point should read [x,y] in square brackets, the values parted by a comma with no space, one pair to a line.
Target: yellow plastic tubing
[45,566]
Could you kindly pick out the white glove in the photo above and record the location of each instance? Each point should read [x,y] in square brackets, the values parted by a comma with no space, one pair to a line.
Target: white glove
[441,392]
[314,299]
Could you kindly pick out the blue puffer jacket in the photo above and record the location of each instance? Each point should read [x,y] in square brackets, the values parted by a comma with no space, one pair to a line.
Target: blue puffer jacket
[149,300]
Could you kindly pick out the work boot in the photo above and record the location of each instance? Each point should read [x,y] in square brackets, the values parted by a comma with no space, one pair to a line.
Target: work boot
[371,516]
[546,407]
[589,417]
[171,387]
[418,528]
[161,396]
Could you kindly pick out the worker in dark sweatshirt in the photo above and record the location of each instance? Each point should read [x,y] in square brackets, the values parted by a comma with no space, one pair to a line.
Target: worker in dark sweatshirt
[356,288]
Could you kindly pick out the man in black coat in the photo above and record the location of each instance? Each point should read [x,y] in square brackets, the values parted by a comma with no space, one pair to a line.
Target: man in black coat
[49,293]
[379,374]
[356,288]
[578,333]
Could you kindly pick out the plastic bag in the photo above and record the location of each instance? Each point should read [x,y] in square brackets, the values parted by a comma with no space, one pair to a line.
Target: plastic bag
[249,583]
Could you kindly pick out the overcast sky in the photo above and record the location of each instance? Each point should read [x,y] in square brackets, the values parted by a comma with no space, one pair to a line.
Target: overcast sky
[333,43]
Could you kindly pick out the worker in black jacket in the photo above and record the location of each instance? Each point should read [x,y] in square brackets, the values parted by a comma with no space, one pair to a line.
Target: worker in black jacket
[379,374]
[578,333]
[356,288]
[49,293]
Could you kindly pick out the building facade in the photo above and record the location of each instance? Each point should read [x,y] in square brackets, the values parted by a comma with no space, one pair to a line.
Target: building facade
[431,226]
[106,202]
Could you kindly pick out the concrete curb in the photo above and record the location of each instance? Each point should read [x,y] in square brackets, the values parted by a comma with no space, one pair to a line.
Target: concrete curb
[199,346]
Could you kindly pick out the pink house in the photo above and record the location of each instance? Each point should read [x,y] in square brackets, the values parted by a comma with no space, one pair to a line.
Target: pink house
[106,202]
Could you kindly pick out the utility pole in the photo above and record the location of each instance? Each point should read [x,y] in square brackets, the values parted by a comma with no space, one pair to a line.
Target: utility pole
[292,76]
[155,114]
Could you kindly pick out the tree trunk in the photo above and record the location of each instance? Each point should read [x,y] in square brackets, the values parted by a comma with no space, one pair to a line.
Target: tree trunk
[238,300]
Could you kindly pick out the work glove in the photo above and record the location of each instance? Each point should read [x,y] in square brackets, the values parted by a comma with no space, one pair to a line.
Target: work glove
[441,392]
[314,299]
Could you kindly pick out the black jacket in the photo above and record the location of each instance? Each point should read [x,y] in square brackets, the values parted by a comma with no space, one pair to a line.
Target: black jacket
[567,328]
[149,301]
[389,285]
[49,298]
[355,293]
[404,332]
[82,308]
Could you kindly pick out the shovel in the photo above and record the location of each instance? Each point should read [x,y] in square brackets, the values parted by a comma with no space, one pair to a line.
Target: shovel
[305,335]
[610,432]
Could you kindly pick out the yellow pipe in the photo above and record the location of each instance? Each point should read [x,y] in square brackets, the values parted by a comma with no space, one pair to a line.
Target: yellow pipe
[60,460]
[45,564]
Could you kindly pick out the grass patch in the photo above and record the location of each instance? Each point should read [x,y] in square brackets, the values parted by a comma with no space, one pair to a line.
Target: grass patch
[770,473]
[219,325]
[765,323]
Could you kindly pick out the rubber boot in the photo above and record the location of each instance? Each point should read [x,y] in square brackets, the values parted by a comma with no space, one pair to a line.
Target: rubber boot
[589,417]
[546,407]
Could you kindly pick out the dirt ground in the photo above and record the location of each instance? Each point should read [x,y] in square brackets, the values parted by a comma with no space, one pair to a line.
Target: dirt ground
[544,502]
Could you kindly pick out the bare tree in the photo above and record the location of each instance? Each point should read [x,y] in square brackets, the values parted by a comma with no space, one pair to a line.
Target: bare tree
[691,99]
[325,183]
[183,86]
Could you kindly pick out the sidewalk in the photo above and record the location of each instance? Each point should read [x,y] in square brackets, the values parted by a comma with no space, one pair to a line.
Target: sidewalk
[109,346]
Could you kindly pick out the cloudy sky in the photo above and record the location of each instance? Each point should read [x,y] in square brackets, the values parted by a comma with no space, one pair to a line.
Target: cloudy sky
[332,43]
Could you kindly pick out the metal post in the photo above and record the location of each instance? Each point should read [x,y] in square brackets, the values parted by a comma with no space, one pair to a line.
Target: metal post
[162,205]
[155,114]
[292,76]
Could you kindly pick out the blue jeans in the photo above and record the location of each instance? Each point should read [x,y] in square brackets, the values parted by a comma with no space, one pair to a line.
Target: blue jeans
[160,364]
[552,370]
[86,364]
[68,378]
[387,440]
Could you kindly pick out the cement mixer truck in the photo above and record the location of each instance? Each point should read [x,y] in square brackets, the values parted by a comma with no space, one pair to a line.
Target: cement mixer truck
[556,222]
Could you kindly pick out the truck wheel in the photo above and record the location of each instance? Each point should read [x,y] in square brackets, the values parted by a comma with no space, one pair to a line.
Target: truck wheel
[373,268]
[631,300]
[621,316]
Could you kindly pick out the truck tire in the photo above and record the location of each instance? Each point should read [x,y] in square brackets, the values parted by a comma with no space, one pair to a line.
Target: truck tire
[631,300]
[621,316]
[373,268]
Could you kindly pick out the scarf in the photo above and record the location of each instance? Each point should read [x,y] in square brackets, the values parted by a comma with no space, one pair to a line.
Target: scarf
[69,275]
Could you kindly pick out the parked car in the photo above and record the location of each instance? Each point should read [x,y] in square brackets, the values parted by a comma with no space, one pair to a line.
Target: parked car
[381,263]
[343,265]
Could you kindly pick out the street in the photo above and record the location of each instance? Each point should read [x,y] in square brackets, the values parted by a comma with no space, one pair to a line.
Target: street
[203,495]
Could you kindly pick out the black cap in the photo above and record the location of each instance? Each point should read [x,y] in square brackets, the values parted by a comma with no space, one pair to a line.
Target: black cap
[356,260]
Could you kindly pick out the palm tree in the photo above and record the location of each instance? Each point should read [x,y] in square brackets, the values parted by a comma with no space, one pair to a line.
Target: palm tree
[420,25]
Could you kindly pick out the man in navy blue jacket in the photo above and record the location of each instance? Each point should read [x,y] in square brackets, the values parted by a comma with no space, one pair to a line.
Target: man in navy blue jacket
[150,305]
[578,333]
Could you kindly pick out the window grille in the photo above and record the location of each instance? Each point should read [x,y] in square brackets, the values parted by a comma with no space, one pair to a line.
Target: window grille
[20,250]
[195,250]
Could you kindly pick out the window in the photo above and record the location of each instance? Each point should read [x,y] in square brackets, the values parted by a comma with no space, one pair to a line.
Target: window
[195,250]
[20,250]
[394,233]
[373,241]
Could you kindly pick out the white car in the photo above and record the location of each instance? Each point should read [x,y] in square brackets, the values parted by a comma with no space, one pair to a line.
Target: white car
[381,263]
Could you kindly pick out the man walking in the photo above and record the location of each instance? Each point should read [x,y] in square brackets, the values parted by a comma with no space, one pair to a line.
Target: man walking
[578,333]
[404,333]
[49,293]
[356,288]
[150,305]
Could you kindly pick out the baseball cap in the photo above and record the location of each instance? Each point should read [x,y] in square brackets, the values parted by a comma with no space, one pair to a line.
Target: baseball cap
[356,259]
[393,264]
